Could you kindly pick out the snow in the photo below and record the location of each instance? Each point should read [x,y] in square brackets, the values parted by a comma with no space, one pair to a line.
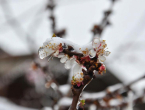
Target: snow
[114,87]
[64,88]
[47,108]
[7,105]
[98,95]
[65,101]
[92,107]
[114,102]
[139,87]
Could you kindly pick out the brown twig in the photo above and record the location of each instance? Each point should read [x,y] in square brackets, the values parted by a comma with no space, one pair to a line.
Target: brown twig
[77,91]
[99,28]
[72,53]
[115,95]
[51,6]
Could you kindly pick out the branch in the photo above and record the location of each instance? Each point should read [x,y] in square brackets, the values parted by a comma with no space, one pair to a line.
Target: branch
[77,91]
[84,63]
[99,28]
[51,6]
[66,51]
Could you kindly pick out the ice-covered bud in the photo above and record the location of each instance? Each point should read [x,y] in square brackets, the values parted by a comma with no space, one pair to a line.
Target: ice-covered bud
[85,51]
[106,53]
[96,49]
[92,53]
[77,75]
[96,43]
[50,47]
[69,63]
[63,59]
[101,58]
[102,69]
[99,49]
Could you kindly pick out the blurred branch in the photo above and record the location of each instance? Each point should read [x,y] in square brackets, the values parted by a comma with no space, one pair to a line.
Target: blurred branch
[16,26]
[99,28]
[22,16]
[51,6]
[117,94]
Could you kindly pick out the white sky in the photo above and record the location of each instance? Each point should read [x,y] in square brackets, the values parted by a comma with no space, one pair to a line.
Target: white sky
[125,37]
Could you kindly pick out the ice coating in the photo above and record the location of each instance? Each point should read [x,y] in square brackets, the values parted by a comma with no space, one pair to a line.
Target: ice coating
[54,46]
[76,57]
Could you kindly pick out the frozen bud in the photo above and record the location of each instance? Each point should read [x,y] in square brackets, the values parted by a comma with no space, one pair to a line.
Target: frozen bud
[92,53]
[60,55]
[42,53]
[85,51]
[96,42]
[103,44]
[69,63]
[101,58]
[102,68]
[50,47]
[77,68]
[56,53]
[99,49]
[63,59]
[78,77]
[77,74]
[106,53]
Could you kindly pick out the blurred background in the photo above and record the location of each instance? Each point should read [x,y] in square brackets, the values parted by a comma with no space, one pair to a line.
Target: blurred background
[28,83]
